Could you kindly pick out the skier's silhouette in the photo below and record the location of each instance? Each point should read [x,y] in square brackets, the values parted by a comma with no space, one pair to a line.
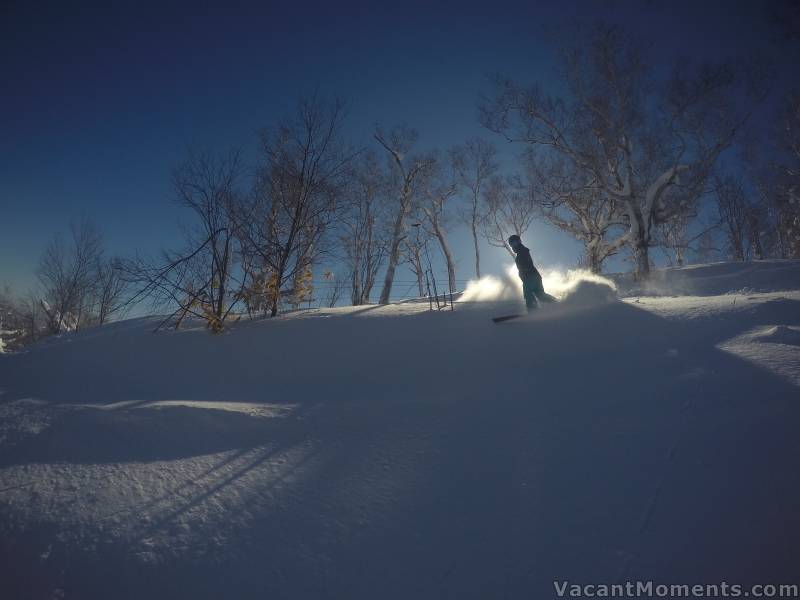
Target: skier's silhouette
[531,279]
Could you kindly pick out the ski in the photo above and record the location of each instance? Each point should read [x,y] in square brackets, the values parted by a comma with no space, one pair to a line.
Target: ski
[506,318]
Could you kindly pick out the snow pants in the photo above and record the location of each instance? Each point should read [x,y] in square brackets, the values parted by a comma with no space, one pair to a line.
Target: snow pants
[533,290]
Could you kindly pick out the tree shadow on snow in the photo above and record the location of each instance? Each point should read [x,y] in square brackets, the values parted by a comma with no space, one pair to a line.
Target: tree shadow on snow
[90,435]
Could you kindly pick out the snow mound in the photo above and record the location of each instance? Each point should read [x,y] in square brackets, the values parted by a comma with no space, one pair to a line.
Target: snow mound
[780,334]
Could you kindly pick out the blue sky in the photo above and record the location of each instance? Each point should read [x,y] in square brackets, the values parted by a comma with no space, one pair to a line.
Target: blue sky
[100,103]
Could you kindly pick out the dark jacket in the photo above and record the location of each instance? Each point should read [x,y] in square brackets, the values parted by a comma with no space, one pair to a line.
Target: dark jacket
[525,263]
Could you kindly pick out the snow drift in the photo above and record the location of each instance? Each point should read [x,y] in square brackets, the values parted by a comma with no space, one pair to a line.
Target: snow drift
[398,452]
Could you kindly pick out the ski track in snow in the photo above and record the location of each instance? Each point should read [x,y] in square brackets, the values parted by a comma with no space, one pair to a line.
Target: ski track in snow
[394,452]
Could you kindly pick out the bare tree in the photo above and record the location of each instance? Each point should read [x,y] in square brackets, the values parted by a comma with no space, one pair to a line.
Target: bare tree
[573,204]
[406,170]
[767,205]
[780,184]
[66,275]
[649,145]
[733,209]
[335,288]
[707,247]
[474,164]
[511,208]
[756,221]
[363,236]
[779,217]
[414,249]
[293,204]
[33,317]
[673,237]
[440,189]
[110,290]
[202,279]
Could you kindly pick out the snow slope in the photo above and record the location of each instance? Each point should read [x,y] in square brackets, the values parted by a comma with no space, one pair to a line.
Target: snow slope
[393,452]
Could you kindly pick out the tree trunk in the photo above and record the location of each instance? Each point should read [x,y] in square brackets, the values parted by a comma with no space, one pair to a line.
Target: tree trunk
[448,256]
[738,250]
[639,233]
[679,256]
[219,309]
[755,238]
[274,309]
[355,290]
[781,238]
[595,264]
[641,252]
[477,250]
[593,259]
[419,272]
[367,291]
[394,252]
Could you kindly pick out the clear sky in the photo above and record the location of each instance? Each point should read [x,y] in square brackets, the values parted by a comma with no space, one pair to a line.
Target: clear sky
[100,102]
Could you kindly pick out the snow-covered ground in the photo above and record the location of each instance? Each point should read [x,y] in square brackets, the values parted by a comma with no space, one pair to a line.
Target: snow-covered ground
[393,452]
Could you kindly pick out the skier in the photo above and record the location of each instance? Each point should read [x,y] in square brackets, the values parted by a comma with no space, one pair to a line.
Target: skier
[531,279]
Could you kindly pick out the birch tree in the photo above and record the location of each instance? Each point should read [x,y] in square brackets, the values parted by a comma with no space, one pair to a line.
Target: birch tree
[571,202]
[414,249]
[363,231]
[406,171]
[735,215]
[511,208]
[474,164]
[299,184]
[441,188]
[647,144]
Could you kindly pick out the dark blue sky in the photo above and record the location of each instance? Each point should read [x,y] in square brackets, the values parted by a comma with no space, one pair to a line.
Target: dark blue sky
[99,103]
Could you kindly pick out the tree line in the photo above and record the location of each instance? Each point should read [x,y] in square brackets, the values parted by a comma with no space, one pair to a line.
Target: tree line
[623,157]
